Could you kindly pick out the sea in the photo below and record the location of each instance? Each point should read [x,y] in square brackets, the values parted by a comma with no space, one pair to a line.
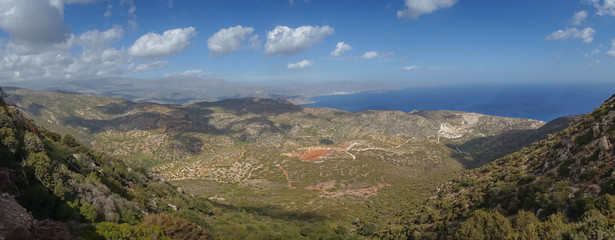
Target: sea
[543,102]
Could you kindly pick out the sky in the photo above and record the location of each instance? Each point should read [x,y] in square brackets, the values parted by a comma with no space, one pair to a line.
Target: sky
[309,41]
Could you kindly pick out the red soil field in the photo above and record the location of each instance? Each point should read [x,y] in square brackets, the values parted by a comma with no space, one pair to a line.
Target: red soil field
[312,154]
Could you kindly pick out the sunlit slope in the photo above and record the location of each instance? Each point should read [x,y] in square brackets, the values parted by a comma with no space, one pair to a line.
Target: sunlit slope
[561,187]
[277,157]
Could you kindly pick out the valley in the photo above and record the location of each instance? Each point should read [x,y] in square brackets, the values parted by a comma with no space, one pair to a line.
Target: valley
[276,159]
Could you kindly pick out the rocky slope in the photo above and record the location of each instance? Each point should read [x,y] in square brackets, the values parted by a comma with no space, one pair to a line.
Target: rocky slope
[559,188]
[52,187]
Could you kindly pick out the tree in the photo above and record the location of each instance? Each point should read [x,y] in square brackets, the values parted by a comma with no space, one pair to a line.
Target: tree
[526,225]
[88,211]
[9,139]
[2,96]
[69,141]
[553,228]
[43,169]
[595,226]
[485,225]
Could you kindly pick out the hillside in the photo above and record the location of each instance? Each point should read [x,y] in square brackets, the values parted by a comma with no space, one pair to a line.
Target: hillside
[277,159]
[484,150]
[559,188]
[52,187]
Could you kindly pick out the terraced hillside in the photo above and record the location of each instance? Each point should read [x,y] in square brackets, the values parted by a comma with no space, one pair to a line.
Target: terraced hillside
[280,159]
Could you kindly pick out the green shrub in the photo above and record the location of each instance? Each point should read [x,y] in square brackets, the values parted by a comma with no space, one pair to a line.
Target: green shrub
[126,231]
[176,227]
[564,168]
[369,229]
[485,225]
[584,139]
[526,225]
[589,173]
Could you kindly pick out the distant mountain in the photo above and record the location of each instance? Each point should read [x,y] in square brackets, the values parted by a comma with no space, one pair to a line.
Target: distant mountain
[559,188]
[179,89]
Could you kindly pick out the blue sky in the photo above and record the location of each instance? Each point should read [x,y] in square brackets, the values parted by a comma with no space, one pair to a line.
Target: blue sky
[407,41]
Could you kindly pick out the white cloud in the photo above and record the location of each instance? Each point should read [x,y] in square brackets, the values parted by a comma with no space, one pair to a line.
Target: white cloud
[386,54]
[603,7]
[255,42]
[586,35]
[143,67]
[292,2]
[592,53]
[33,24]
[40,45]
[131,13]
[289,41]
[228,40]
[94,57]
[611,52]
[340,48]
[299,65]
[375,54]
[578,18]
[171,42]
[408,68]
[417,7]
[171,4]
[96,39]
[370,55]
[188,73]
[108,12]
[82,1]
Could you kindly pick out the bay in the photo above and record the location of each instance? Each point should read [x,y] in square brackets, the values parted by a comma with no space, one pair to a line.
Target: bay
[543,102]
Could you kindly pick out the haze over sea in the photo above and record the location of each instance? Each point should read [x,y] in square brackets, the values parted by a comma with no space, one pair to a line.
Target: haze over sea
[543,102]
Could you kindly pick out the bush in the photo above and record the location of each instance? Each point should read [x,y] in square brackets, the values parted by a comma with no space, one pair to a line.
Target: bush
[589,173]
[9,139]
[88,211]
[69,141]
[526,225]
[584,139]
[485,225]
[369,229]
[325,141]
[564,168]
[595,226]
[605,204]
[122,231]
[175,227]
[553,227]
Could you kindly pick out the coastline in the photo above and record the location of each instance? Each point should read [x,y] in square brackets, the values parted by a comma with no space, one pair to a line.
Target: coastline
[542,102]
